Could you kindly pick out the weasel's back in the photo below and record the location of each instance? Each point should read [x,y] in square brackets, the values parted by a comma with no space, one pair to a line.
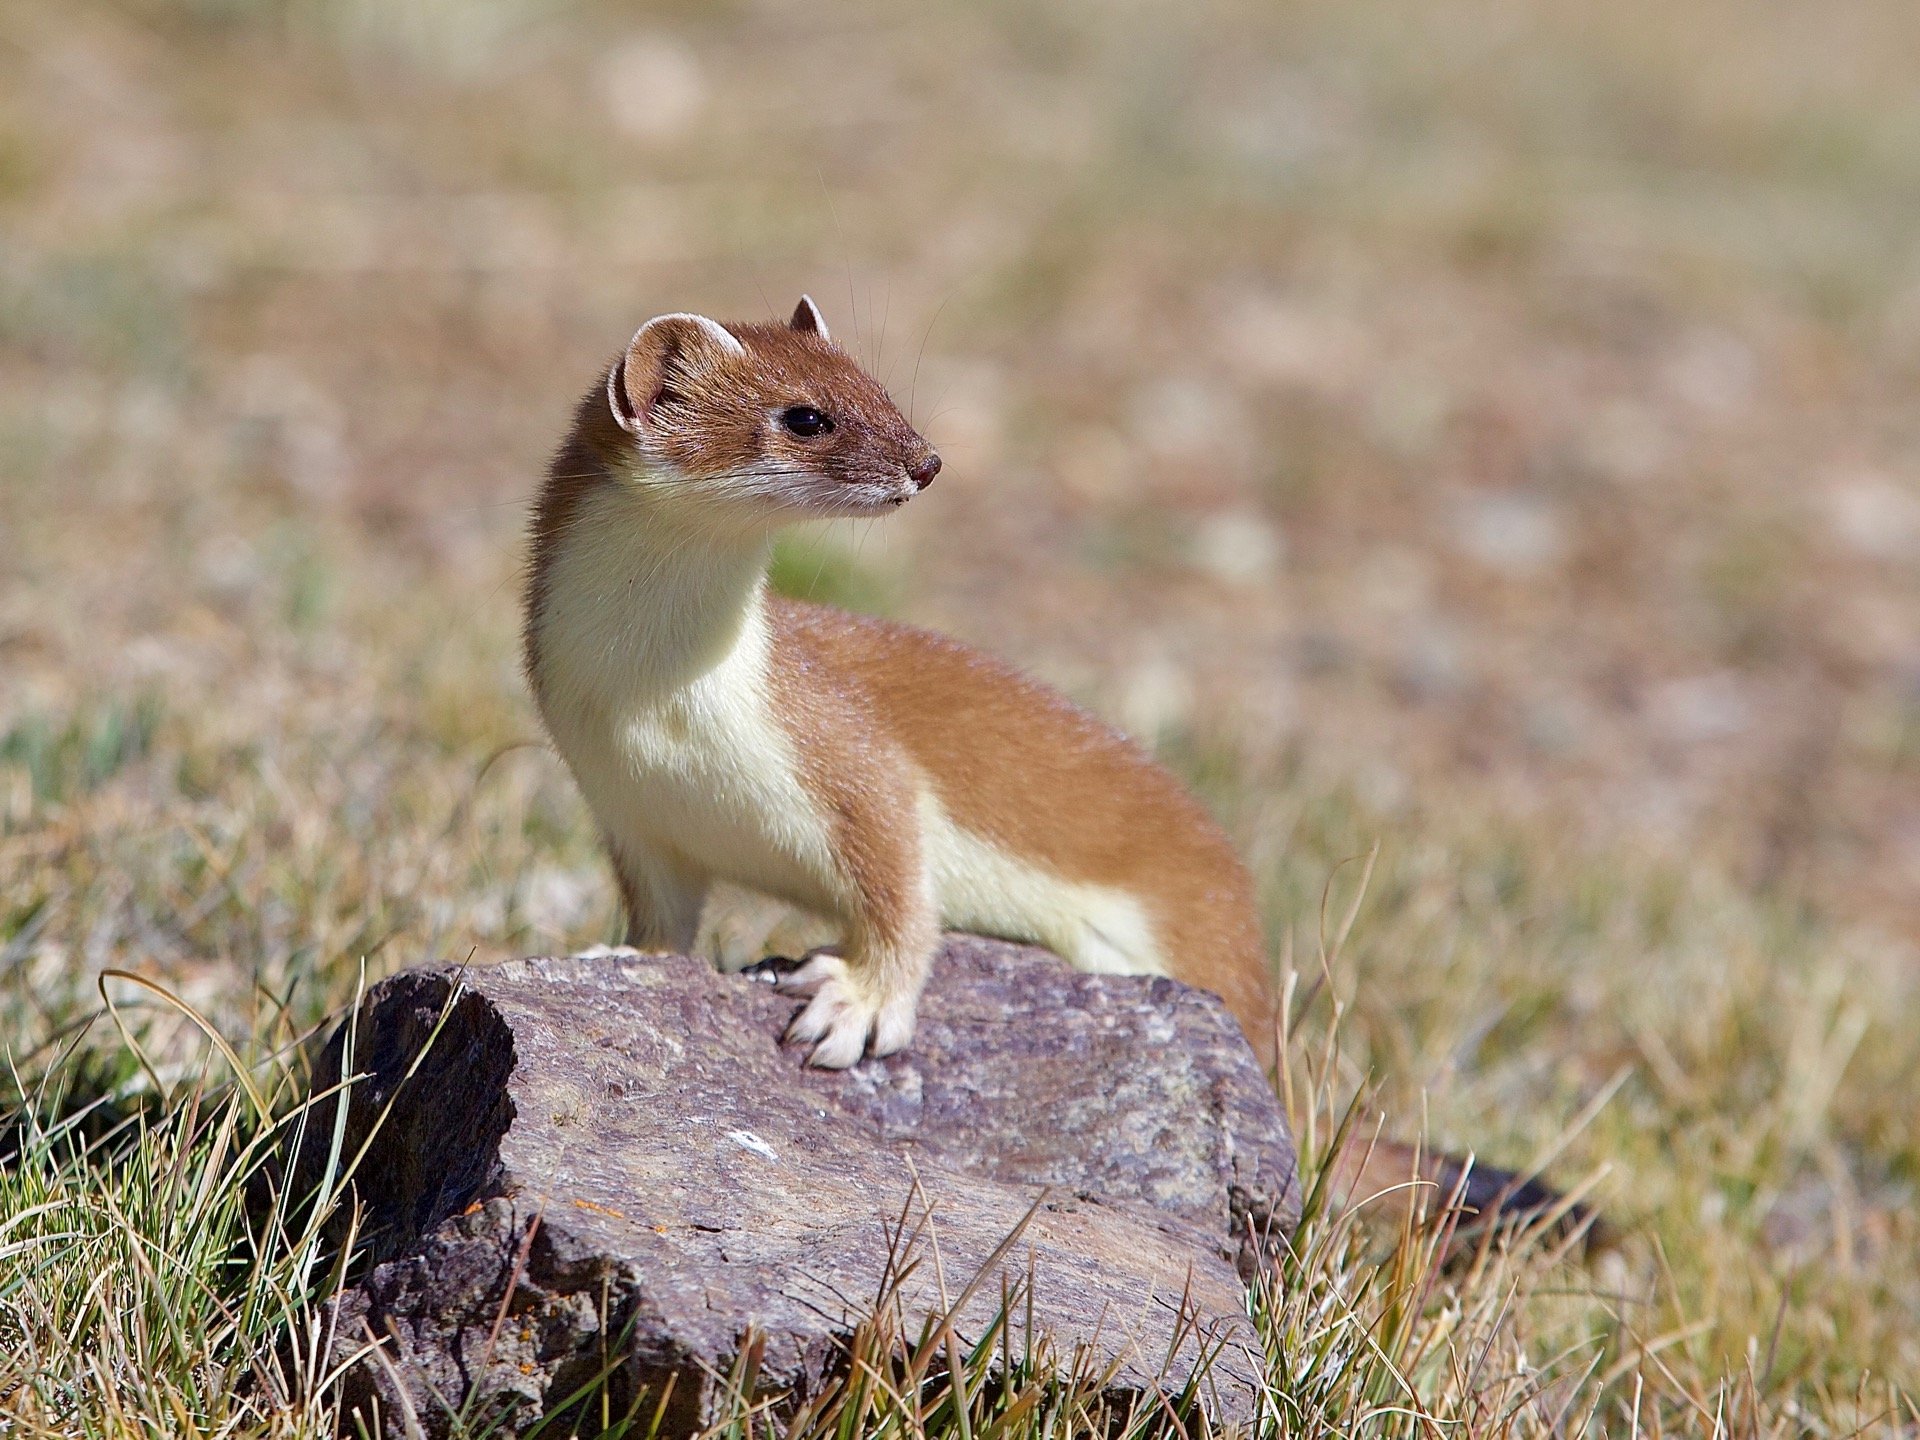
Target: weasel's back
[1017,764]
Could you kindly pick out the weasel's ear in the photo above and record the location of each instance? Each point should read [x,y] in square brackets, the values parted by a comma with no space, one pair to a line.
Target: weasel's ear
[808,319]
[667,351]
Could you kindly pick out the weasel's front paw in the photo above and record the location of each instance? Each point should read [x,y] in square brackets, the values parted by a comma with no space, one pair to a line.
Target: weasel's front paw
[841,1016]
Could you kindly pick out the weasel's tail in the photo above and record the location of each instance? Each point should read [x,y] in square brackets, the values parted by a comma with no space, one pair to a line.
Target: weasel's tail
[1390,1178]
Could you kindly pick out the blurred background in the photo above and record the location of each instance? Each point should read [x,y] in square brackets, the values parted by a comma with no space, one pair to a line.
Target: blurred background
[1482,428]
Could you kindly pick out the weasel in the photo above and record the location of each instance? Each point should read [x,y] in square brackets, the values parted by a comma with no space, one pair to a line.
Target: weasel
[886,776]
[883,775]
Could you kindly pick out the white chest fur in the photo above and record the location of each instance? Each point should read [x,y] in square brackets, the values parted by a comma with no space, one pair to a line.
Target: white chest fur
[653,680]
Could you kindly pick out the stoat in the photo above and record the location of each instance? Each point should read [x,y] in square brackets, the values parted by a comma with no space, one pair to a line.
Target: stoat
[886,776]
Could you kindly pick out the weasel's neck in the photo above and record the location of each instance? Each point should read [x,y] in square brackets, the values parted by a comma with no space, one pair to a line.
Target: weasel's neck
[639,603]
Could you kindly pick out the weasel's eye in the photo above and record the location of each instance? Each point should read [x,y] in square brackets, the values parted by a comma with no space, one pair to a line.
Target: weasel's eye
[805,421]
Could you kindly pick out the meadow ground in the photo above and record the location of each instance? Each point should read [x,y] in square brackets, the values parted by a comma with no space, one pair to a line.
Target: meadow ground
[1481,431]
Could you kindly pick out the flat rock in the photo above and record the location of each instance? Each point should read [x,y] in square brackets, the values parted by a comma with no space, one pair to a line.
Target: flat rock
[612,1164]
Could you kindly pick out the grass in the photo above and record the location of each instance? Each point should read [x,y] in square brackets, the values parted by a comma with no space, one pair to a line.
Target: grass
[294,295]
[1716,1120]
[152,1279]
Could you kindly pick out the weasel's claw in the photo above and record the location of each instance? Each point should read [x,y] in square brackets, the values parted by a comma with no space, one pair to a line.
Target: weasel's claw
[839,1019]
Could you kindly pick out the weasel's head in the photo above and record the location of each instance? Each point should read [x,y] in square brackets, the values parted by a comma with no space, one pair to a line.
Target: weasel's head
[763,421]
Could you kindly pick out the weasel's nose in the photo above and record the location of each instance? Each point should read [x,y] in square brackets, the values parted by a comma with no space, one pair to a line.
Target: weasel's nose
[923,473]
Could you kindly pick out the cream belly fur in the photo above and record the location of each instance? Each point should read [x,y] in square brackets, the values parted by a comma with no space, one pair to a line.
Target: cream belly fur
[697,788]
[983,889]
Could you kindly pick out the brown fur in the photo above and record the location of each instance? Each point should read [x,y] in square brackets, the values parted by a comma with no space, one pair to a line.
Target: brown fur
[1018,764]
[707,407]
[579,467]
[862,780]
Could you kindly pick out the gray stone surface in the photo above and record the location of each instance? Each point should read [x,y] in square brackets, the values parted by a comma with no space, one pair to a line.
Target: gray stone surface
[626,1141]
